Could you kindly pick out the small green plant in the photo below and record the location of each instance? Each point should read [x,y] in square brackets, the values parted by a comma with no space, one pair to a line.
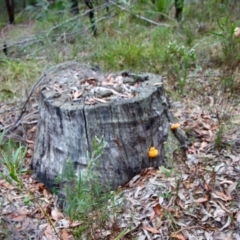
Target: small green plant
[85,198]
[12,160]
[178,61]
[230,44]
[167,172]
[163,6]
[230,56]
[219,138]
[166,195]
[28,200]
[171,220]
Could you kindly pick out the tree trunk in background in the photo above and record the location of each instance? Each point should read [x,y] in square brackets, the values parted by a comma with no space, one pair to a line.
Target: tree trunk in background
[179,8]
[74,7]
[10,4]
[91,16]
[129,111]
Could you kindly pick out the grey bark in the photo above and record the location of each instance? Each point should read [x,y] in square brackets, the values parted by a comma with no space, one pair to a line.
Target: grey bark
[129,125]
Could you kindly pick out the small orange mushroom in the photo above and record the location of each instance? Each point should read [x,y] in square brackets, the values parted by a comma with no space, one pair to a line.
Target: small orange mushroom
[175,126]
[153,152]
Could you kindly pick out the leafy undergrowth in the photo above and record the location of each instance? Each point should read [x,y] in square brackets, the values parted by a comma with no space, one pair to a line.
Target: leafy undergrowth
[197,197]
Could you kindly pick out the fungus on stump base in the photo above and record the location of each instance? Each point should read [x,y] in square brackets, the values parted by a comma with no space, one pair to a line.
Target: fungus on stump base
[127,110]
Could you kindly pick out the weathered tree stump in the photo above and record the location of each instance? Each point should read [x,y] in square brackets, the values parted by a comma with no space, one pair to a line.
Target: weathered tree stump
[127,110]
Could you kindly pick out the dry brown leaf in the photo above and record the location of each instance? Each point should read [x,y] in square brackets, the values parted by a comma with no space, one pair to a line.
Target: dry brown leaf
[226,224]
[103,83]
[75,224]
[238,217]
[33,129]
[19,217]
[152,230]
[56,214]
[48,232]
[76,95]
[108,77]
[208,187]
[6,185]
[152,215]
[178,236]
[117,93]
[92,81]
[157,84]
[221,195]
[90,101]
[201,200]
[30,141]
[223,207]
[180,204]
[25,224]
[203,145]
[100,100]
[136,84]
[157,209]
[206,126]
[231,187]
[64,234]
[45,193]
[29,153]
[134,181]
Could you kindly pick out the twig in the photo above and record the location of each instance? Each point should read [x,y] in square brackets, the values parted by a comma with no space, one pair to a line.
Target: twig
[141,17]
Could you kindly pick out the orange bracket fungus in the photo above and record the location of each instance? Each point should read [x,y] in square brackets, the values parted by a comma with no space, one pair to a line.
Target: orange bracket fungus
[153,152]
[175,126]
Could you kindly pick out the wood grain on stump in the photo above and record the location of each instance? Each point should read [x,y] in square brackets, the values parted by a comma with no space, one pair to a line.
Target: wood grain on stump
[78,103]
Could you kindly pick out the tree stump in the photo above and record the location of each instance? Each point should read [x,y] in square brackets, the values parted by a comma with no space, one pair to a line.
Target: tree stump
[127,110]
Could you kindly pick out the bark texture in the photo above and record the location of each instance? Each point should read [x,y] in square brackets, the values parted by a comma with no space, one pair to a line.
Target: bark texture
[130,121]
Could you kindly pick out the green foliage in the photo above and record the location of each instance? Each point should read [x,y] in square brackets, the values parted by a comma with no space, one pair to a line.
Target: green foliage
[123,53]
[163,6]
[166,195]
[230,45]
[16,76]
[230,53]
[219,138]
[85,198]
[12,157]
[12,160]
[178,62]
[122,234]
[167,172]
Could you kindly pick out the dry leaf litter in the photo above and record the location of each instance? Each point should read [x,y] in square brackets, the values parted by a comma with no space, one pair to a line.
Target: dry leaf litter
[195,197]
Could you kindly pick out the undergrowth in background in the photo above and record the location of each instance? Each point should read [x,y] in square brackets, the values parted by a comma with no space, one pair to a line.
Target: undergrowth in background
[178,62]
[139,36]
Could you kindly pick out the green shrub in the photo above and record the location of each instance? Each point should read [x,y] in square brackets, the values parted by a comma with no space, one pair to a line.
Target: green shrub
[85,198]
[178,62]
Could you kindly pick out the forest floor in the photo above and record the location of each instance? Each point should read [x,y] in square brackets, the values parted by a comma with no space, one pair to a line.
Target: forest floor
[195,196]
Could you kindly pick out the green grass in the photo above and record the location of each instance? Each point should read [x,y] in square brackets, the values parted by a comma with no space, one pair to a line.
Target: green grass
[123,41]
[17,76]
